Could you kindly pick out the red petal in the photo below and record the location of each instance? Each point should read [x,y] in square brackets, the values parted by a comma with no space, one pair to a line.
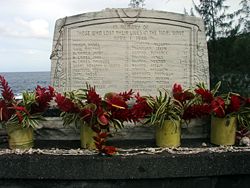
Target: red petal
[19,116]
[103,135]
[98,146]
[110,150]
[95,129]
[177,88]
[97,139]
[218,107]
[102,119]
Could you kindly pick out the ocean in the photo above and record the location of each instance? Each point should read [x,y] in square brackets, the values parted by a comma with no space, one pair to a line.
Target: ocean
[21,81]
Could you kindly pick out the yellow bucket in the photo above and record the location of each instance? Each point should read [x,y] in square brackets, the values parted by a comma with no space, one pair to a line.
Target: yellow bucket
[86,137]
[223,130]
[19,137]
[169,134]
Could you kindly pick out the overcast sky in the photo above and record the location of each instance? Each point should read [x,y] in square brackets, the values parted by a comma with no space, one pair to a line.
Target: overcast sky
[26,26]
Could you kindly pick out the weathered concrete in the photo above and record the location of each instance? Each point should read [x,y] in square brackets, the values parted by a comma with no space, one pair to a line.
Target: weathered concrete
[53,129]
[96,167]
[205,169]
[237,181]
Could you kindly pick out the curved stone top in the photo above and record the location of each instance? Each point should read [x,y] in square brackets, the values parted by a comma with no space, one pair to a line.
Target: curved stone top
[134,13]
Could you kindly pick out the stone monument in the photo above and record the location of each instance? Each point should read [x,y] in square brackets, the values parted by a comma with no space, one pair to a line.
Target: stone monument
[119,49]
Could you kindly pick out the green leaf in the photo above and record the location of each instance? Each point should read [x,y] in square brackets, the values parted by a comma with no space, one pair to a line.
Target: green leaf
[216,88]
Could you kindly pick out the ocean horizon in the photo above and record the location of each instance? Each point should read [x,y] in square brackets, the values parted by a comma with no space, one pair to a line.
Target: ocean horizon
[26,81]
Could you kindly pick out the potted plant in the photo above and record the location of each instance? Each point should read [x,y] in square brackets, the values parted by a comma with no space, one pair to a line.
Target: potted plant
[226,111]
[167,113]
[97,116]
[21,116]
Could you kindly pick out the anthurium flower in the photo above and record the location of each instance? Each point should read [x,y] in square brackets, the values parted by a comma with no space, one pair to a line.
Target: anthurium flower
[103,119]
[115,100]
[86,114]
[218,106]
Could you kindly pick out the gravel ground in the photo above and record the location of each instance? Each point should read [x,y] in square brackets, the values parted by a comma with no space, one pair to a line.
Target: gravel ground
[129,152]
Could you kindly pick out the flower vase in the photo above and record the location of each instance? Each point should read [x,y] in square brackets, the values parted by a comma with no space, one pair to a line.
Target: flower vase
[19,137]
[169,134]
[86,137]
[223,130]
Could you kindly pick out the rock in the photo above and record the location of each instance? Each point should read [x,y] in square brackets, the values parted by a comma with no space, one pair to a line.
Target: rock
[245,141]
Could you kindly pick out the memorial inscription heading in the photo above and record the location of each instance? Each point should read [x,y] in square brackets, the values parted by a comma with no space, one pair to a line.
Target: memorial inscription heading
[116,52]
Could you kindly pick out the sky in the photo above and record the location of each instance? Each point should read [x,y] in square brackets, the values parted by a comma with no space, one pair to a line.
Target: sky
[27,26]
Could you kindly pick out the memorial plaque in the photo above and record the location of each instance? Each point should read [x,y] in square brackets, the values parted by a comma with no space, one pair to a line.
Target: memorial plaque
[120,49]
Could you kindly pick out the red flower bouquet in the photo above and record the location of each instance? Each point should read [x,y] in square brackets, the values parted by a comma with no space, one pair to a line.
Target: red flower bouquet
[85,106]
[21,116]
[227,111]
[27,111]
[229,104]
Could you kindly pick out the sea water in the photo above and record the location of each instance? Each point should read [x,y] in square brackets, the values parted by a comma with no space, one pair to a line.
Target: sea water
[26,81]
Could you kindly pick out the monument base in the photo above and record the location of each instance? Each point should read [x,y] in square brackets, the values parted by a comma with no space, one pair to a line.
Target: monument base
[190,165]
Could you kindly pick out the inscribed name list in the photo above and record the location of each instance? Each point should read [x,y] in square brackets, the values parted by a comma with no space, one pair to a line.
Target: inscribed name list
[141,56]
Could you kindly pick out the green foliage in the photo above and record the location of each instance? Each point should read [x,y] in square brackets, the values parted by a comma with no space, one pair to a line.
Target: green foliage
[164,108]
[191,13]
[216,19]
[28,99]
[136,3]
[69,118]
[229,56]
[27,121]
[77,96]
[231,64]
[244,16]
[244,118]
[116,124]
